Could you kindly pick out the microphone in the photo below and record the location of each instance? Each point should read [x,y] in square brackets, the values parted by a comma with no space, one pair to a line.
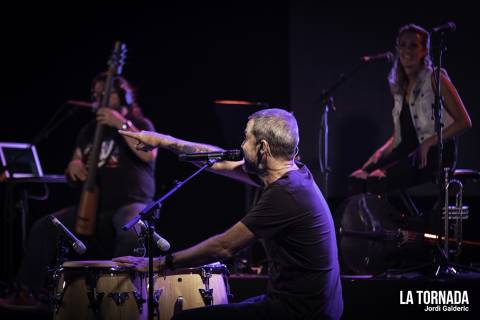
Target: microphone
[229,155]
[76,244]
[381,56]
[162,244]
[447,27]
[84,104]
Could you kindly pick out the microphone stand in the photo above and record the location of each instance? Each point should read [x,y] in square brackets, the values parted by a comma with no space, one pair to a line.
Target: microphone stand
[62,251]
[444,268]
[150,214]
[327,103]
[54,272]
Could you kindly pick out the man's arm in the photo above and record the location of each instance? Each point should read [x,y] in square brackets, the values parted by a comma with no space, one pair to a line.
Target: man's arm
[148,140]
[146,156]
[214,249]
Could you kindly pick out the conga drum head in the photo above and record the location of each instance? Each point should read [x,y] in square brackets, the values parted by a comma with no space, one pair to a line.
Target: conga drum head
[94,264]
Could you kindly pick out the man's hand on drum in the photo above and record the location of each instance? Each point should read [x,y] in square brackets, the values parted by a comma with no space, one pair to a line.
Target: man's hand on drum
[140,263]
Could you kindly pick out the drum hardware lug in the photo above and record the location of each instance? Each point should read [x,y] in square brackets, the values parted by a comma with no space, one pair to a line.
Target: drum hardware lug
[139,300]
[225,276]
[95,299]
[58,301]
[206,274]
[178,305]
[119,297]
[56,274]
[207,293]
[207,296]
[156,299]
[156,296]
[55,298]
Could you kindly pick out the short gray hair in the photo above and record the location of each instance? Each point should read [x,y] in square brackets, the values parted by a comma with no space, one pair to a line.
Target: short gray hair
[279,128]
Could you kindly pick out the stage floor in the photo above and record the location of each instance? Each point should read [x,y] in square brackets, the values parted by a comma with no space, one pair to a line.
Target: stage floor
[368,297]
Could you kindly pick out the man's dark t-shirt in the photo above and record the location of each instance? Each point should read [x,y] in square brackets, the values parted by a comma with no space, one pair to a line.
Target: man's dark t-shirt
[294,223]
[122,177]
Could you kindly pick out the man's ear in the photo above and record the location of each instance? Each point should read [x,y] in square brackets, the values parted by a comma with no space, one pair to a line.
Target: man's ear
[264,147]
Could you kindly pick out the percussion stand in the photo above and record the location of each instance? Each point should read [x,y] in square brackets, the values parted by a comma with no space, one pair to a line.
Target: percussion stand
[62,250]
[150,214]
[54,276]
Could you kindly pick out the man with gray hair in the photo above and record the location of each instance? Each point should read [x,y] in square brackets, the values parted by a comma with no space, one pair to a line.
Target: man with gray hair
[291,219]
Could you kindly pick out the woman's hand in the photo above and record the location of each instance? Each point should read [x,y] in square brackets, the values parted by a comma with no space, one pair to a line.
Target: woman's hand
[362,173]
[379,173]
[359,174]
[422,152]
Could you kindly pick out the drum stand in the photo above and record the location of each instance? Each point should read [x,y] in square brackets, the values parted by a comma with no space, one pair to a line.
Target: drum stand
[150,214]
[62,250]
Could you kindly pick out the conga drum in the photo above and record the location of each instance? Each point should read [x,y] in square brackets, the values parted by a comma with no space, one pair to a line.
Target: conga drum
[191,288]
[99,290]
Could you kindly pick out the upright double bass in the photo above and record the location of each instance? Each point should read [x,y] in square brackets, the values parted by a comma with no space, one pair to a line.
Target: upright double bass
[87,208]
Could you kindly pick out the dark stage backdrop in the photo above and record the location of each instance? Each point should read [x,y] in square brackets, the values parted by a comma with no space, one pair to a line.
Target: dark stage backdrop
[327,41]
[181,57]
[184,56]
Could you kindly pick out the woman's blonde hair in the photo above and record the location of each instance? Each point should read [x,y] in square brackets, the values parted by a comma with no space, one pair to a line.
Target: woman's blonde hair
[397,78]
